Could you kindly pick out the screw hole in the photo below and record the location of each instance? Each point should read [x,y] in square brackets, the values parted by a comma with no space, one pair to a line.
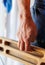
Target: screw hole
[1,49]
[7,43]
[42,64]
[0,41]
[7,51]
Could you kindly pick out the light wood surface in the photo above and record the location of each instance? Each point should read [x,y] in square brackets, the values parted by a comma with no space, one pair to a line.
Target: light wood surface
[9,48]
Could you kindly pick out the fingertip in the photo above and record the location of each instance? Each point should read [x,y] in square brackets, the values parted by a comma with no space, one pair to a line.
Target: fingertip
[27,45]
[22,46]
[18,45]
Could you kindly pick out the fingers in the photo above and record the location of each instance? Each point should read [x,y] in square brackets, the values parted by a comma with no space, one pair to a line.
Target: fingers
[27,45]
[22,46]
[23,43]
[19,42]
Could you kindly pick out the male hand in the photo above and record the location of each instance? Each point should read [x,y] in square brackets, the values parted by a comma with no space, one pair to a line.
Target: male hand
[27,30]
[27,33]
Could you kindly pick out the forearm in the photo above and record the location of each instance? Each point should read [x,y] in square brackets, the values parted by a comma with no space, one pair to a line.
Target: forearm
[27,29]
[24,9]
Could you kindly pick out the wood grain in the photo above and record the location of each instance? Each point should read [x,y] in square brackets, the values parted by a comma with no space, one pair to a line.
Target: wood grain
[9,48]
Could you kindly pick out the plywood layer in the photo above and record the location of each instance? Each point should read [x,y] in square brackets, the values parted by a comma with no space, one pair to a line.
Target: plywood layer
[9,48]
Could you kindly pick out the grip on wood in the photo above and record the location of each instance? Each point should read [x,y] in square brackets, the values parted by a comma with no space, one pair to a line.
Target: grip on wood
[9,48]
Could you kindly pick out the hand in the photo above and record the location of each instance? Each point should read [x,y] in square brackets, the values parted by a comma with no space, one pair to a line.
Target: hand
[27,33]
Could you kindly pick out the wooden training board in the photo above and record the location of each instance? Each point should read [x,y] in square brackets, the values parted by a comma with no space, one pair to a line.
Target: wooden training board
[9,48]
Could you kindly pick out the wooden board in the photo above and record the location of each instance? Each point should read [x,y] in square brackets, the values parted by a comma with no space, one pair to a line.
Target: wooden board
[9,48]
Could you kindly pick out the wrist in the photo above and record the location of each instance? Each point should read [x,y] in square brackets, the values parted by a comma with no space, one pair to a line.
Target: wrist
[24,15]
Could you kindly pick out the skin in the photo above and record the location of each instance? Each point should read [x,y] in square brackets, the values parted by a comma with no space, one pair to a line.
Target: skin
[27,31]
